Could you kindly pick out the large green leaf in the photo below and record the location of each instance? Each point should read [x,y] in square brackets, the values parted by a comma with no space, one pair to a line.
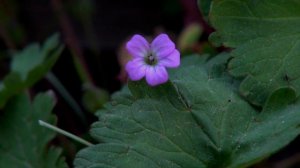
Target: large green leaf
[266,36]
[23,142]
[29,66]
[196,120]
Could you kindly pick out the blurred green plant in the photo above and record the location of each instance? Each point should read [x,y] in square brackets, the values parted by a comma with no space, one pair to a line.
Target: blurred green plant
[23,142]
[204,6]
[189,41]
[28,66]
[94,98]
[189,37]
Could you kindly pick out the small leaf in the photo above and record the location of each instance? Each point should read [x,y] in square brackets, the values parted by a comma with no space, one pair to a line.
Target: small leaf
[193,121]
[265,34]
[189,37]
[94,98]
[29,66]
[26,142]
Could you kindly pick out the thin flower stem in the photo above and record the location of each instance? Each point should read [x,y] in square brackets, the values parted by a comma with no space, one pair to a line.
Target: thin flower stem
[6,38]
[67,134]
[72,42]
[67,96]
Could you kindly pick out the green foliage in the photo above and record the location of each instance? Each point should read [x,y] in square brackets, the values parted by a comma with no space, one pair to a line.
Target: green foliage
[94,98]
[195,120]
[198,119]
[23,142]
[29,66]
[265,35]
[204,6]
[189,37]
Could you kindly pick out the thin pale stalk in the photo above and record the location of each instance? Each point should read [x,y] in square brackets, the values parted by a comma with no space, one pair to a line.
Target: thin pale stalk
[63,132]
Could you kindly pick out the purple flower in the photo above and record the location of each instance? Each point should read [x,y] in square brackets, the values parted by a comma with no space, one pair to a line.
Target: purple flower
[151,60]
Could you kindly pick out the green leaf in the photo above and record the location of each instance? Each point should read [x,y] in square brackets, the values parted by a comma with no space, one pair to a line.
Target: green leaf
[204,6]
[29,66]
[23,142]
[196,120]
[94,98]
[266,36]
[189,38]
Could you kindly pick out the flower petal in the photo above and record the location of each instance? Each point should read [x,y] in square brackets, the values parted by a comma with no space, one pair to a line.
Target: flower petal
[162,46]
[138,46]
[136,69]
[171,61]
[156,75]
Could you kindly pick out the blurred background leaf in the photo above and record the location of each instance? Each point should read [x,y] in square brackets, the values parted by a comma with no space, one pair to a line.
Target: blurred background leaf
[23,142]
[204,6]
[28,66]
[94,98]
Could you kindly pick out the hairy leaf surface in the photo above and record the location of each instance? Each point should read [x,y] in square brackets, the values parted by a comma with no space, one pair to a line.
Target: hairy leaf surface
[266,38]
[196,120]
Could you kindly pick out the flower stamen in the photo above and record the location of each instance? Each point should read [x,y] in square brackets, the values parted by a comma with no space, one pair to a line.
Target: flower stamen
[151,59]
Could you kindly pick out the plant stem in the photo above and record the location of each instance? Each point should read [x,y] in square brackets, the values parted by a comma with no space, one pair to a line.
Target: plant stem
[72,42]
[72,136]
[67,96]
